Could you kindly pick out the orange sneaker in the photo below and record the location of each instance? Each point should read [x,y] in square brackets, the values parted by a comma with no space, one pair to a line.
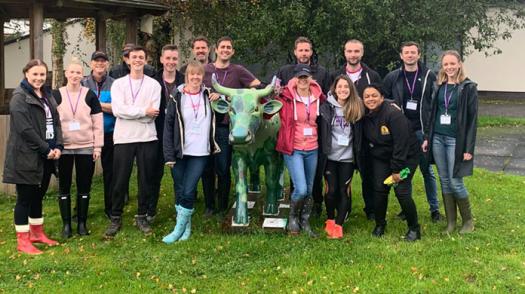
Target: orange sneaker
[329,226]
[337,232]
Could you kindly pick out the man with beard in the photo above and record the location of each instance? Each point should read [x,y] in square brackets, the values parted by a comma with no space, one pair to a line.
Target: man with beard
[200,48]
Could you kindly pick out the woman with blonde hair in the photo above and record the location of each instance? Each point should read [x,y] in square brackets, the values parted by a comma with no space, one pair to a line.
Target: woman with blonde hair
[83,131]
[451,136]
[339,144]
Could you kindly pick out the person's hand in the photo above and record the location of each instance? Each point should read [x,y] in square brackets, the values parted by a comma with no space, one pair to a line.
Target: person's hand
[214,96]
[396,178]
[170,164]
[424,146]
[58,153]
[152,112]
[51,154]
[96,155]
[277,89]
[467,156]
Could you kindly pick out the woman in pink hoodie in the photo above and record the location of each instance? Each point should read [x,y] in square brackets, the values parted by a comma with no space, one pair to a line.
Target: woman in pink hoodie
[297,140]
[82,126]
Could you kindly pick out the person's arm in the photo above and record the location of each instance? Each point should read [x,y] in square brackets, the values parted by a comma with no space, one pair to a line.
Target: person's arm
[399,130]
[96,122]
[471,119]
[21,123]
[168,144]
[124,110]
[388,83]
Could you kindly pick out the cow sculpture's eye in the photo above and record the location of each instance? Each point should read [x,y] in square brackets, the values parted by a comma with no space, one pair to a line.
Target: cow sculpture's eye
[256,109]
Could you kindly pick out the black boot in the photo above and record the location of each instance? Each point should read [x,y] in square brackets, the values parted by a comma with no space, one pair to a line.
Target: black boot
[142,224]
[64,203]
[379,230]
[82,204]
[293,218]
[114,227]
[413,234]
[305,217]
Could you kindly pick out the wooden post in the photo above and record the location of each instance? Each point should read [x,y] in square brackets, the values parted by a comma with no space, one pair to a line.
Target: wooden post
[100,22]
[37,30]
[2,64]
[131,29]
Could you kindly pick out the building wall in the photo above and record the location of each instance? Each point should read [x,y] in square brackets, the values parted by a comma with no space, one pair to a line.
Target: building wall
[17,53]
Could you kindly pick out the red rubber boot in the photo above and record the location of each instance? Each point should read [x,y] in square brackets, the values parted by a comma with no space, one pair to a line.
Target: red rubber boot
[37,235]
[24,245]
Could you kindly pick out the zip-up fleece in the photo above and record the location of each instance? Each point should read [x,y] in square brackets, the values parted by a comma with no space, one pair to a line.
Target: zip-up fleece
[393,86]
[173,141]
[104,96]
[88,115]
[288,114]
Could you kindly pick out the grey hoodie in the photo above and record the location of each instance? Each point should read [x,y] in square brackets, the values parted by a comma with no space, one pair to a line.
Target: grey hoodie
[341,130]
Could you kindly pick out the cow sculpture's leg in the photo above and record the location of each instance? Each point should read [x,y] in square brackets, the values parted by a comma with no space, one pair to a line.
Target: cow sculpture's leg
[255,183]
[241,188]
[273,187]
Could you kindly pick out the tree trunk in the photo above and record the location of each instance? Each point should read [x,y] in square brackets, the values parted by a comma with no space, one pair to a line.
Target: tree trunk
[58,49]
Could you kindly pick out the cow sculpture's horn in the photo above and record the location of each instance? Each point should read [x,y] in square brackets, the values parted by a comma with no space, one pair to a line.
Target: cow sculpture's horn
[221,89]
[266,91]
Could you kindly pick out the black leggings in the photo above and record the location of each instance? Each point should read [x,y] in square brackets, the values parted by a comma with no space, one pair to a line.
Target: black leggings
[29,197]
[338,176]
[84,168]
[403,191]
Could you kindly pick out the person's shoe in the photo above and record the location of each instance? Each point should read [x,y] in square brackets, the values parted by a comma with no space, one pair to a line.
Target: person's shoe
[150,219]
[36,233]
[114,226]
[64,203]
[187,231]
[466,215]
[329,226]
[413,235]
[435,216]
[305,217]
[401,215]
[142,224]
[208,213]
[451,212]
[379,230]
[24,244]
[293,218]
[183,216]
[82,213]
[337,232]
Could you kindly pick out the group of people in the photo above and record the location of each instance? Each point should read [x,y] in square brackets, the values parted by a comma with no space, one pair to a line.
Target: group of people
[331,126]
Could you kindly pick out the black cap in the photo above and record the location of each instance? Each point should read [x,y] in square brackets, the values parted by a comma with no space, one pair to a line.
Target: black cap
[301,70]
[126,48]
[99,54]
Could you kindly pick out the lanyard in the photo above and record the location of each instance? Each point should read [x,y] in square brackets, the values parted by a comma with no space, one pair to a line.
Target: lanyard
[134,95]
[223,78]
[307,109]
[194,106]
[73,110]
[413,88]
[448,98]
[166,89]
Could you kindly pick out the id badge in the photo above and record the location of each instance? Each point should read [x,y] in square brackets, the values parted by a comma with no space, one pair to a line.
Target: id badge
[308,131]
[195,129]
[412,104]
[445,119]
[343,140]
[49,132]
[74,126]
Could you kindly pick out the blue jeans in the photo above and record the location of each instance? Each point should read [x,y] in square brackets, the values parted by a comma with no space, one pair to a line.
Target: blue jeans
[428,177]
[443,149]
[301,165]
[186,173]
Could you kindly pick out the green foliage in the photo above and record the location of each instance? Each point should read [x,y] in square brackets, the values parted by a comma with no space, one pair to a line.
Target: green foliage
[116,36]
[500,121]
[59,36]
[489,260]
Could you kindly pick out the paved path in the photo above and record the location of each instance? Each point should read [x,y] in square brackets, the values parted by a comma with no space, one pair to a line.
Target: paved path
[502,108]
[501,149]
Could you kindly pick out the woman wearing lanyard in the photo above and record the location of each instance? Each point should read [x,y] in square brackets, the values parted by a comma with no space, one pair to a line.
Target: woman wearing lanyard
[451,137]
[188,141]
[35,142]
[339,145]
[297,140]
[81,120]
[393,147]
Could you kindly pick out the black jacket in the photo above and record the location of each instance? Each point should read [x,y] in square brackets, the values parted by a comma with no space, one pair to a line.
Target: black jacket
[393,86]
[324,135]
[121,70]
[164,98]
[387,136]
[368,76]
[466,122]
[319,74]
[27,148]
[173,140]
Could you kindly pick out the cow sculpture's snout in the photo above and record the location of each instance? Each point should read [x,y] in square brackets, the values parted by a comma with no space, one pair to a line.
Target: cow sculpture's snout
[240,136]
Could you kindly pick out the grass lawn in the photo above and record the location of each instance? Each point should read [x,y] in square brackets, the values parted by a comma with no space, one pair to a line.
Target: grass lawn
[492,259]
[500,121]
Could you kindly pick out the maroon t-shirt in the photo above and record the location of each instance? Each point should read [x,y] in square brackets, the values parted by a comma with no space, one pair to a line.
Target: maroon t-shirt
[234,76]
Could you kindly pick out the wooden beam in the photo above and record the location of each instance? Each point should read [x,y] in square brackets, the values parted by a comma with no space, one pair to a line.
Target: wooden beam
[2,64]
[36,24]
[131,29]
[100,43]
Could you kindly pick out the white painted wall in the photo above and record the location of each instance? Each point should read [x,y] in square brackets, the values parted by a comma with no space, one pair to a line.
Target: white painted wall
[503,72]
[17,54]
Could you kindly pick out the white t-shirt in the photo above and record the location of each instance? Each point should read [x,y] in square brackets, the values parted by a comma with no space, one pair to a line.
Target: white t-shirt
[355,75]
[196,115]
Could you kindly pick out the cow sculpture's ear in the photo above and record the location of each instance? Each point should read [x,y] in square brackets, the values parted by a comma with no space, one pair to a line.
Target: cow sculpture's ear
[220,106]
[272,107]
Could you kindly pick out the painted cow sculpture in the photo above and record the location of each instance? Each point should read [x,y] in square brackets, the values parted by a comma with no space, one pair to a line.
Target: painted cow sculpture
[253,140]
